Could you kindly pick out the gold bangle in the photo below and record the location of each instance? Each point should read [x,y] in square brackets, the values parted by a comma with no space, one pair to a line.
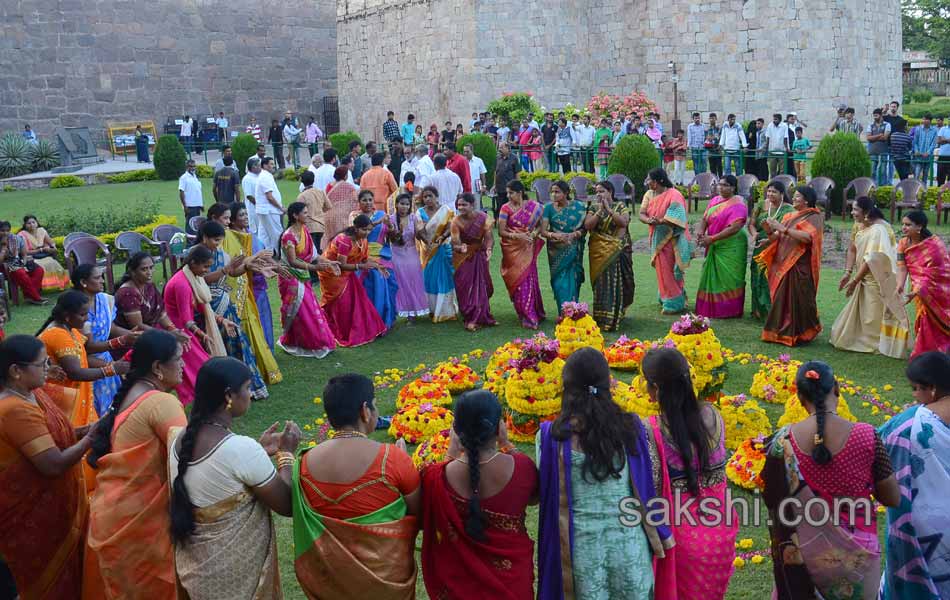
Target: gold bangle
[285,459]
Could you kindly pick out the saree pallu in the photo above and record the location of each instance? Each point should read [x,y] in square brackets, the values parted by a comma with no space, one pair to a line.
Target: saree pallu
[473,282]
[929,268]
[241,291]
[259,285]
[74,398]
[866,324]
[670,247]
[836,562]
[307,331]
[352,317]
[519,262]
[239,345]
[918,443]
[758,279]
[181,307]
[437,274]
[566,261]
[611,271]
[343,198]
[45,519]
[793,270]
[55,276]
[721,292]
[231,554]
[370,556]
[456,566]
[380,289]
[101,315]
[411,298]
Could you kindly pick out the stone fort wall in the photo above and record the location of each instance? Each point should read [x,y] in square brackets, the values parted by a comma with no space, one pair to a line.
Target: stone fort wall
[444,59]
[86,62]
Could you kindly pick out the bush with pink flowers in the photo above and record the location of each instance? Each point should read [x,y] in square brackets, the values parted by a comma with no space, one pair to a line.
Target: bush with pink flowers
[616,106]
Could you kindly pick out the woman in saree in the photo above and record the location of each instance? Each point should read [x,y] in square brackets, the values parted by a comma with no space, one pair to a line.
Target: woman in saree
[918,442]
[792,262]
[474,540]
[42,495]
[129,520]
[721,292]
[411,298]
[824,459]
[355,503]
[519,227]
[224,266]
[188,302]
[774,207]
[611,261]
[223,490]
[240,224]
[139,305]
[352,317]
[307,331]
[866,323]
[590,458]
[471,244]
[664,210]
[240,288]
[923,257]
[562,225]
[103,334]
[40,245]
[343,195]
[436,237]
[381,289]
[688,443]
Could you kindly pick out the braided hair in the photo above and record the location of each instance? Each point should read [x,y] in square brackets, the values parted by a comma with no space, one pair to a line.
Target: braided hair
[69,302]
[815,381]
[215,379]
[477,414]
[153,346]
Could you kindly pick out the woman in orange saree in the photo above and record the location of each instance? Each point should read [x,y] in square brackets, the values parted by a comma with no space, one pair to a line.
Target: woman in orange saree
[43,504]
[343,196]
[129,526]
[664,210]
[793,264]
[519,227]
[924,258]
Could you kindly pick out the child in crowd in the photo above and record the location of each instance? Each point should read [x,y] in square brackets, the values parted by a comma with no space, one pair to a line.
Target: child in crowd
[800,147]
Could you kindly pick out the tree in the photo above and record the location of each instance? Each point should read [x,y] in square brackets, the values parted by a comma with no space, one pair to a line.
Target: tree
[169,158]
[635,156]
[512,108]
[841,157]
[484,148]
[243,147]
[926,26]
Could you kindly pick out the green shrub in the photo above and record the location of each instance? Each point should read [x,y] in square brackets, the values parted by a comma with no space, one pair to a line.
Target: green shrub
[528,179]
[938,108]
[341,141]
[130,176]
[169,158]
[44,156]
[115,218]
[484,148]
[882,196]
[66,181]
[514,107]
[204,171]
[15,156]
[9,188]
[243,147]
[841,157]
[634,156]
[921,95]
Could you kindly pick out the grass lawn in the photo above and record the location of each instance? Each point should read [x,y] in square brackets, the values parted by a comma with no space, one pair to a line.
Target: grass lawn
[410,344]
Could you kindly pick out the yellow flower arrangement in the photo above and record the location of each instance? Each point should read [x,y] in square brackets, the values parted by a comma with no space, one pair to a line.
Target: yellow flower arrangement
[637,400]
[431,450]
[745,466]
[415,423]
[455,375]
[743,419]
[626,354]
[536,391]
[795,412]
[697,341]
[577,329]
[775,380]
[499,366]
[624,396]
[424,389]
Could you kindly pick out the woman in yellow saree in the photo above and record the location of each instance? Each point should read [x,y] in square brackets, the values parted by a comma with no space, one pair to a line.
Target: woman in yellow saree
[40,245]
[436,238]
[355,503]
[611,262]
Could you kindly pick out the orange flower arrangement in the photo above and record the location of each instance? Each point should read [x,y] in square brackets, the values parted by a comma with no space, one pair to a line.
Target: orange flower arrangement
[424,389]
[745,466]
[432,450]
[455,375]
[626,354]
[416,423]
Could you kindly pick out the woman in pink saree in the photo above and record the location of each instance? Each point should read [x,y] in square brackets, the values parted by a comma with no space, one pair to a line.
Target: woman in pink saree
[343,197]
[688,444]
[519,226]
[307,332]
[924,258]
[664,210]
[471,244]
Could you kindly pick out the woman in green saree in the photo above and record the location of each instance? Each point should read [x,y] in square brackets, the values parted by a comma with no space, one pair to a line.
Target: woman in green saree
[562,226]
[721,293]
[611,263]
[774,206]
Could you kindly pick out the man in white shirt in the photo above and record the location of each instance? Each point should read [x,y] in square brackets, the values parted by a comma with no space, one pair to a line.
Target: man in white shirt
[270,207]
[585,139]
[189,192]
[249,186]
[225,153]
[732,141]
[476,167]
[447,182]
[222,124]
[292,141]
[776,137]
[187,129]
[323,175]
[504,132]
[421,166]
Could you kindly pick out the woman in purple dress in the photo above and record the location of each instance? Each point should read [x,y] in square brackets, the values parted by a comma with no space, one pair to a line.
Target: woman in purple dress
[471,246]
[411,300]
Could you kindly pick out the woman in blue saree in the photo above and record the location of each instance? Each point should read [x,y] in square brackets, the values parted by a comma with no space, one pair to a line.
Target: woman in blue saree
[381,289]
[438,275]
[562,226]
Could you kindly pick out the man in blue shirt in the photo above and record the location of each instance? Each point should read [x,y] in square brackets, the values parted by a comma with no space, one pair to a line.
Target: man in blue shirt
[695,140]
[408,130]
[925,140]
[943,161]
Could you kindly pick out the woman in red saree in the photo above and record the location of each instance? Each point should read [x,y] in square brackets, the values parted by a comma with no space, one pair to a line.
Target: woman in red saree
[519,227]
[471,246]
[42,496]
[792,262]
[474,541]
[924,258]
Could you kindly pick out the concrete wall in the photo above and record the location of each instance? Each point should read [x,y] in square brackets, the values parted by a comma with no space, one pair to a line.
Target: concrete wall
[443,59]
[86,62]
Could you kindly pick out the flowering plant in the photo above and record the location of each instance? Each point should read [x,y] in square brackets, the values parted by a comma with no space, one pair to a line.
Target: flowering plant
[626,354]
[536,391]
[499,366]
[432,450]
[455,375]
[524,428]
[690,324]
[623,395]
[617,107]
[704,353]
[424,389]
[795,412]
[775,380]
[577,329]
[537,350]
[744,468]
[637,399]
[417,422]
[743,419]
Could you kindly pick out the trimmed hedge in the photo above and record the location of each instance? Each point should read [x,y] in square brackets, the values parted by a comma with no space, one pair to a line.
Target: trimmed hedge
[243,147]
[204,171]
[169,158]
[528,179]
[66,181]
[635,156]
[130,176]
[484,148]
[841,157]
[341,141]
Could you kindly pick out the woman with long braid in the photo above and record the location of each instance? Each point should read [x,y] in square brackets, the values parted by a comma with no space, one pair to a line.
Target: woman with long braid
[129,525]
[224,490]
[826,458]
[480,496]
